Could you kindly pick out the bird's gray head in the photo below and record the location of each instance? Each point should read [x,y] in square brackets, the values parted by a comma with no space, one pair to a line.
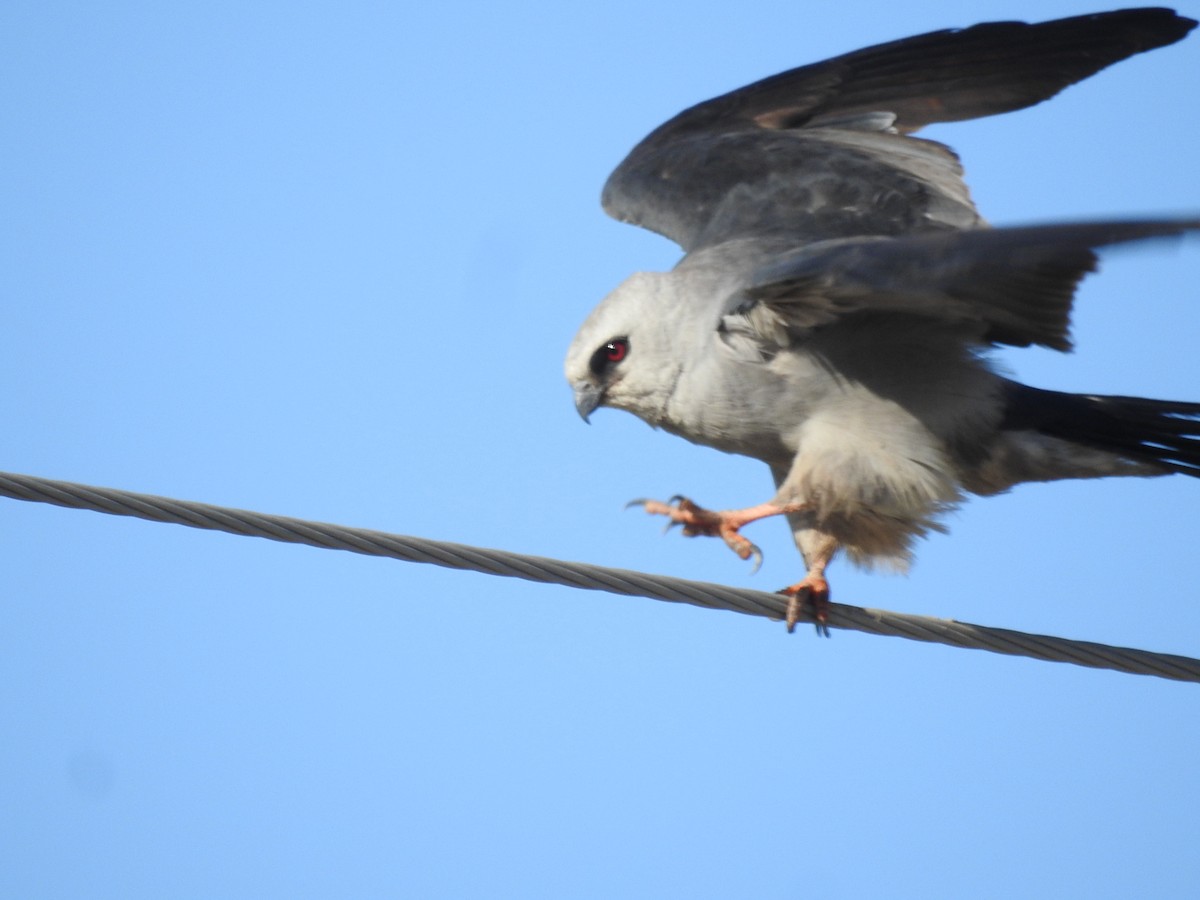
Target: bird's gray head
[623,355]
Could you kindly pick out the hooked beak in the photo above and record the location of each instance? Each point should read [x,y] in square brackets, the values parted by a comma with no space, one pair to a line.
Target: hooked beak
[587,397]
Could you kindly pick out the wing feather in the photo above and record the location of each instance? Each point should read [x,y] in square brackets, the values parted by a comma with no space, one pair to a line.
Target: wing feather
[788,153]
[1016,284]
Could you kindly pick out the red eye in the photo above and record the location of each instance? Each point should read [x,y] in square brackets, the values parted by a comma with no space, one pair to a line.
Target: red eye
[608,355]
[615,351]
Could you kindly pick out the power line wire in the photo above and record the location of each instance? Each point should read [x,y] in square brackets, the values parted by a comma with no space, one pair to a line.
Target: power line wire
[589,577]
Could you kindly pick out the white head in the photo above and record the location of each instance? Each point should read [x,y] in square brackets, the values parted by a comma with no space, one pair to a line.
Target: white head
[624,354]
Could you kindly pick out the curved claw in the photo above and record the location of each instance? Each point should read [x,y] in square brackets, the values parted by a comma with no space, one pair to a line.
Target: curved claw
[757,556]
[696,521]
[815,595]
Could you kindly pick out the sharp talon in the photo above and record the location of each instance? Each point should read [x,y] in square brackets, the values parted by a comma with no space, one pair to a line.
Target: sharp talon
[756,555]
[816,602]
[819,601]
[695,520]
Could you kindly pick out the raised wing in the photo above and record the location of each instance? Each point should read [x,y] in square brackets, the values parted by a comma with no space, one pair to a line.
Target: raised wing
[1016,284]
[820,151]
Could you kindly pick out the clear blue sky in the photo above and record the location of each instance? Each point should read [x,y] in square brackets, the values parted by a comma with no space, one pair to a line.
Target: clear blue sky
[324,260]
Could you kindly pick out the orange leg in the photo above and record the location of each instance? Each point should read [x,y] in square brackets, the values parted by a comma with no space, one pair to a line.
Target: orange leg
[696,520]
[813,589]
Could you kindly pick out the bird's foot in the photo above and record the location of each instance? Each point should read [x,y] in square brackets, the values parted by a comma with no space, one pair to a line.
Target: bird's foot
[696,521]
[814,592]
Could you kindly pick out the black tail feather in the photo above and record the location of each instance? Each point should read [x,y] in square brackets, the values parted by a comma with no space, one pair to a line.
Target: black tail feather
[1164,433]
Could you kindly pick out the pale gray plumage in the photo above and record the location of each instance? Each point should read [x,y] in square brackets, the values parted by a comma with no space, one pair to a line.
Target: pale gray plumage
[839,290]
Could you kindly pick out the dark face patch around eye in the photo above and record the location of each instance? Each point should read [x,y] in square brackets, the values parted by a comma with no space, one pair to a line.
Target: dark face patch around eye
[609,355]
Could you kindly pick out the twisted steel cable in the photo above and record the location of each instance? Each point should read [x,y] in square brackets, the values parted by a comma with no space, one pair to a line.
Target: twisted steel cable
[589,577]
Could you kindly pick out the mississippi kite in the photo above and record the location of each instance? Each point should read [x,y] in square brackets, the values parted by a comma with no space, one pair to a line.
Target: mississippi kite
[839,292]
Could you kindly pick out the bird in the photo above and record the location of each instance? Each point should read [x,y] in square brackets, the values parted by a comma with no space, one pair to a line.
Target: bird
[839,293]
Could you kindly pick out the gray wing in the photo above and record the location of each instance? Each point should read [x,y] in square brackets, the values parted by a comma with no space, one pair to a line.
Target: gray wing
[820,151]
[1015,284]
